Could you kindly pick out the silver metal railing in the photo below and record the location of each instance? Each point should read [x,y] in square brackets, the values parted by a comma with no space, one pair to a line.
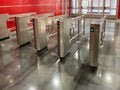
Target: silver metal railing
[51,23]
[44,27]
[78,27]
[68,33]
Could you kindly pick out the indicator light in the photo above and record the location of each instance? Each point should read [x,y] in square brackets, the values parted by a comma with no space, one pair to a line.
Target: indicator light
[91,29]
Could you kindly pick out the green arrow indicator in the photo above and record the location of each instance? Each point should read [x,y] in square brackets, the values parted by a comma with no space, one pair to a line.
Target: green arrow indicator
[58,25]
[91,29]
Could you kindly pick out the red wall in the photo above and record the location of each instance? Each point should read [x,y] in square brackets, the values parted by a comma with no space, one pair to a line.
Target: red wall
[24,6]
[119,9]
[39,6]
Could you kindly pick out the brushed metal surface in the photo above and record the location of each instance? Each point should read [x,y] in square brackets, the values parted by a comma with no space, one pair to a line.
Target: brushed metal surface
[94,45]
[96,39]
[22,31]
[40,36]
[63,37]
[4,32]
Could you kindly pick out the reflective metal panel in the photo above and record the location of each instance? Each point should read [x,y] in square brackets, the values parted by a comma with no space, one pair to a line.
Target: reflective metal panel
[97,33]
[3,26]
[63,37]
[40,33]
[23,35]
[94,45]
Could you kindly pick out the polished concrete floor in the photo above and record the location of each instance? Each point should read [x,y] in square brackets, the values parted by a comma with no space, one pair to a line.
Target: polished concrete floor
[23,69]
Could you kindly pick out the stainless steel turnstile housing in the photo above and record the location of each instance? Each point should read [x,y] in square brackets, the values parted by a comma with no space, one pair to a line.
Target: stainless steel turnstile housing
[22,31]
[97,34]
[94,43]
[4,33]
[40,36]
[63,37]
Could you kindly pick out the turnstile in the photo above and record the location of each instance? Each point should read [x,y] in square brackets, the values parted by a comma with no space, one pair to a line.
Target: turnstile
[97,34]
[94,44]
[63,37]
[22,30]
[44,29]
[40,36]
[4,33]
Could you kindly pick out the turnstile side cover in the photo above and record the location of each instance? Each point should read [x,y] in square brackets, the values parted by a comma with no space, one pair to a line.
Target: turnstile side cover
[40,33]
[64,46]
[3,26]
[94,45]
[23,35]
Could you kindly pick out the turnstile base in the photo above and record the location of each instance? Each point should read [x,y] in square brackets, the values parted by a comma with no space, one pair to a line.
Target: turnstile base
[62,58]
[93,68]
[39,52]
[4,38]
[25,44]
[88,68]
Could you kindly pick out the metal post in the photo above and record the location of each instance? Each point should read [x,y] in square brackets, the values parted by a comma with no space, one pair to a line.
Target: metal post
[1,56]
[104,29]
[80,6]
[104,7]
[91,6]
[49,30]
[53,29]
[73,31]
[78,30]
[99,6]
[84,25]
[70,33]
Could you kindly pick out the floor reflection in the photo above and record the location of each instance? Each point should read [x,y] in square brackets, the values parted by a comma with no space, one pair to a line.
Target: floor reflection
[23,69]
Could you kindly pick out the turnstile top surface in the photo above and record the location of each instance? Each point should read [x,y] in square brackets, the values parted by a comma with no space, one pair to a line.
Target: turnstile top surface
[96,21]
